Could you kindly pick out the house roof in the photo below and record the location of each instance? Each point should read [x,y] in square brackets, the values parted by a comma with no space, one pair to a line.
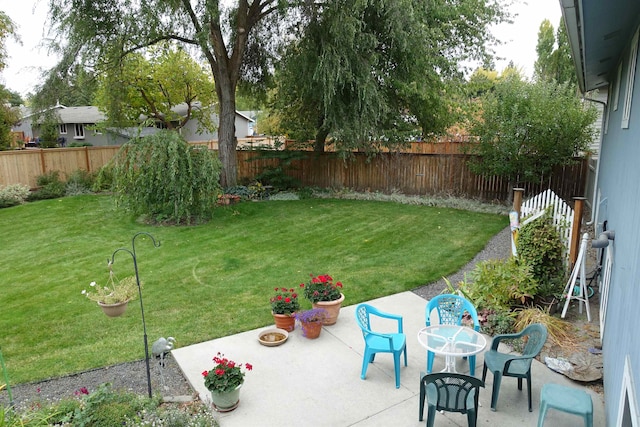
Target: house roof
[598,34]
[81,115]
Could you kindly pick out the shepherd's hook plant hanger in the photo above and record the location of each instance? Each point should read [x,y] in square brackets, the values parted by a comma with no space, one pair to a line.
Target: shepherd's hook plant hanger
[132,252]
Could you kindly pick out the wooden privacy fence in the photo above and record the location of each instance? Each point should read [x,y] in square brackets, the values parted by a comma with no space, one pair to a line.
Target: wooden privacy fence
[24,166]
[424,174]
[408,173]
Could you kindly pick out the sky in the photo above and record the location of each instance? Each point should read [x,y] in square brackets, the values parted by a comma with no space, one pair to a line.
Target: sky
[27,61]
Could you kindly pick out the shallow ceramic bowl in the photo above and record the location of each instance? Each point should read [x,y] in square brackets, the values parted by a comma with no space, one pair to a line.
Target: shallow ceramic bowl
[273,336]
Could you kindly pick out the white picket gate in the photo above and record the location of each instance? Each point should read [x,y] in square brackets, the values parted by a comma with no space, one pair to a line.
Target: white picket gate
[562,214]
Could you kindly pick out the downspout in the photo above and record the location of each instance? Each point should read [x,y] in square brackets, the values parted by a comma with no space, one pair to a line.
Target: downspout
[594,215]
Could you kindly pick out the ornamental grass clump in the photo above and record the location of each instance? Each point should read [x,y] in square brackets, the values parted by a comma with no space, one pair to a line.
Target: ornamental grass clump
[321,288]
[285,301]
[226,376]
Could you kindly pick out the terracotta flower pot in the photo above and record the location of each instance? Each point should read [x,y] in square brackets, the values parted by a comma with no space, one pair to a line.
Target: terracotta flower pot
[311,330]
[284,321]
[114,310]
[333,309]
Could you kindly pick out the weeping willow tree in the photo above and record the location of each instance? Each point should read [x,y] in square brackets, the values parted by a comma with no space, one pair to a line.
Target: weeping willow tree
[165,179]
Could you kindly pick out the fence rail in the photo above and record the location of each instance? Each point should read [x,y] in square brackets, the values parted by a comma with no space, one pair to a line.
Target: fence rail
[408,173]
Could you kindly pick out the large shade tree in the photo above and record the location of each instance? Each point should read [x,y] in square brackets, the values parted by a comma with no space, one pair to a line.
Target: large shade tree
[8,116]
[525,129]
[170,88]
[554,60]
[99,33]
[378,72]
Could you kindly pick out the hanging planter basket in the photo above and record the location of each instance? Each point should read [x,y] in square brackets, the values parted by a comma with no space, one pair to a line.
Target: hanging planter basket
[114,310]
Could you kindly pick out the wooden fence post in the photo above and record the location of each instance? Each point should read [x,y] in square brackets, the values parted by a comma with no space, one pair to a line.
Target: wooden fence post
[517,199]
[575,230]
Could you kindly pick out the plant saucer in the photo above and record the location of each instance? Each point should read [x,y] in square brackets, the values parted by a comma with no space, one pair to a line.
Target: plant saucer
[273,337]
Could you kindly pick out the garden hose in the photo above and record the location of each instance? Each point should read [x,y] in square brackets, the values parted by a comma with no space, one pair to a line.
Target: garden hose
[6,379]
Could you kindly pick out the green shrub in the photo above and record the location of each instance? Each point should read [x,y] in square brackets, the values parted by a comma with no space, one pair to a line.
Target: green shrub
[239,190]
[164,178]
[79,182]
[13,194]
[104,179]
[540,246]
[500,284]
[277,176]
[50,186]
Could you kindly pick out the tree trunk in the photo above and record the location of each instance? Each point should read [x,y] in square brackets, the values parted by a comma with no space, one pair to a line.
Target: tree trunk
[227,143]
[321,138]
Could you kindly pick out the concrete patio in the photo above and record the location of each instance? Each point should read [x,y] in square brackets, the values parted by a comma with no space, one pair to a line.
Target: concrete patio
[317,382]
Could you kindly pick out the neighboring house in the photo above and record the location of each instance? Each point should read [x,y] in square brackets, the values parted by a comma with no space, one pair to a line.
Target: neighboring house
[78,124]
[604,40]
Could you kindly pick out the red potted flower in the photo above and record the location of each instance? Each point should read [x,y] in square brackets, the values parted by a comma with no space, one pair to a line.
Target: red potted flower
[284,305]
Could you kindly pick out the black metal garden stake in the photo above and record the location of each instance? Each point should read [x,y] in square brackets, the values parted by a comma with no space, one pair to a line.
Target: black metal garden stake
[132,252]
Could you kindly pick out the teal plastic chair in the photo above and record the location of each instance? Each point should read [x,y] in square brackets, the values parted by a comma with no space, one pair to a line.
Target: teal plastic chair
[451,392]
[376,342]
[512,365]
[451,309]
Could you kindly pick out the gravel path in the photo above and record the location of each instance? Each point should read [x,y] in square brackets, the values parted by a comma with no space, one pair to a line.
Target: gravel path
[499,247]
[132,376]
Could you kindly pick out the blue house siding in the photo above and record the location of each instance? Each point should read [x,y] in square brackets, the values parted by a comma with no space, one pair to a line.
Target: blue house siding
[619,186]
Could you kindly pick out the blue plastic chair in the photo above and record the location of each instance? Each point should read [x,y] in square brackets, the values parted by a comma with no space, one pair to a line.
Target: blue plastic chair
[450,309]
[513,365]
[375,342]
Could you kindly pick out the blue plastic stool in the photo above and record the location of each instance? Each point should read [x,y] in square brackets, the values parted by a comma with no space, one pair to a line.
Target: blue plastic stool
[566,399]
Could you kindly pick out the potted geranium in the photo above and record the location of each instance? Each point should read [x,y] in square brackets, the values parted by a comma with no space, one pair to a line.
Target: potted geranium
[224,382]
[114,296]
[284,303]
[324,293]
[311,321]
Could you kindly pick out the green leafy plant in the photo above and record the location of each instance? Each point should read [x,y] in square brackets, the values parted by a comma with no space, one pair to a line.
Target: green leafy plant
[321,288]
[500,284]
[226,375]
[540,246]
[164,178]
[494,322]
[285,301]
[105,407]
[115,291]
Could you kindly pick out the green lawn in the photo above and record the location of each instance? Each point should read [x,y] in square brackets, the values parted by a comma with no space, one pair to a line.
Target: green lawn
[204,281]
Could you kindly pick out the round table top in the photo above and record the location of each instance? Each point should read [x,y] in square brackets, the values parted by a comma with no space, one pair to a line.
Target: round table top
[452,340]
